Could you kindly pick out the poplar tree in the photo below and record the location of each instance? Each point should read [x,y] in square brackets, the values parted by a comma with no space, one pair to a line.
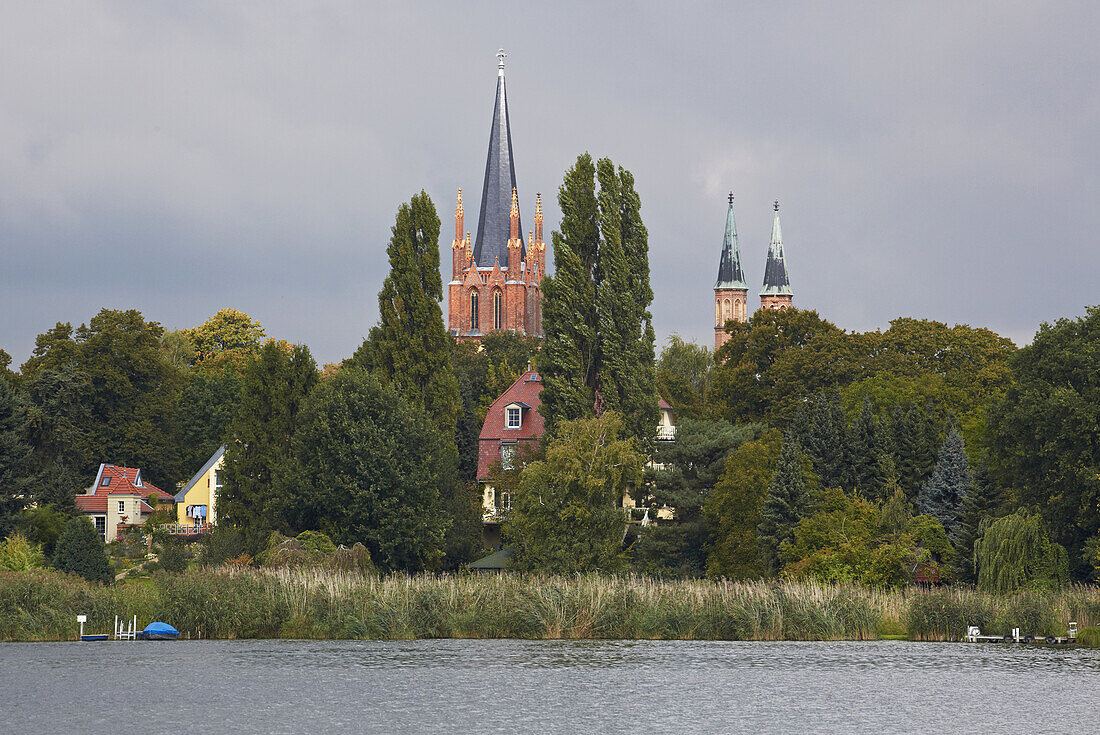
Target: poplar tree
[626,378]
[951,483]
[599,347]
[569,361]
[409,347]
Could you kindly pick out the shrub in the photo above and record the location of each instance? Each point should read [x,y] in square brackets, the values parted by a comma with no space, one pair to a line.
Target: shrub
[19,555]
[316,541]
[221,545]
[81,551]
[172,557]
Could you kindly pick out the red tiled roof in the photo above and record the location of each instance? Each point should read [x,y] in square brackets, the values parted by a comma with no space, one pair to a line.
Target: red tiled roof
[662,403]
[121,481]
[525,391]
[98,503]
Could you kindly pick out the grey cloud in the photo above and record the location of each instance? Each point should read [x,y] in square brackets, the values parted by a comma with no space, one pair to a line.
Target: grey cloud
[933,160]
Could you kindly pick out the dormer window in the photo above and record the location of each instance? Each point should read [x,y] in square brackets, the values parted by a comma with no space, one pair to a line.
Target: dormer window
[514,418]
[106,481]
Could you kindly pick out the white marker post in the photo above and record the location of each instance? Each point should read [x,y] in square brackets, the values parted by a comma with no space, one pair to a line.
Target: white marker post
[81,619]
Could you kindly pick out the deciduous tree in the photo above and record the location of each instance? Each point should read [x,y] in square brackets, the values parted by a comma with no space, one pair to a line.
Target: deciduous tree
[369,467]
[732,509]
[566,515]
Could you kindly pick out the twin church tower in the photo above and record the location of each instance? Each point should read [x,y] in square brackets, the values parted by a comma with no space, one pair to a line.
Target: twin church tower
[731,293]
[495,277]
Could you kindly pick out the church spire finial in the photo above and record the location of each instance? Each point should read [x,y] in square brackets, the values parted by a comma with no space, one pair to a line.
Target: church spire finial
[776,280]
[500,62]
[730,274]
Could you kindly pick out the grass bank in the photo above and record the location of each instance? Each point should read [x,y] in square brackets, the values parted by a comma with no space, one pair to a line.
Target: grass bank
[306,603]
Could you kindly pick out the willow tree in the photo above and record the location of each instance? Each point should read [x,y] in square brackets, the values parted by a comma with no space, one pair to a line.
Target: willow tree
[1015,552]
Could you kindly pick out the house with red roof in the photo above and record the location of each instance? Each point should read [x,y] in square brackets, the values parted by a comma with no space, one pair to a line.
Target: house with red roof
[512,423]
[119,497]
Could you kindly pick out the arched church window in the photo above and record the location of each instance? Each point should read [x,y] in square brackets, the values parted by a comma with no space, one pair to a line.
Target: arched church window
[737,310]
[717,312]
[496,309]
[727,312]
[473,310]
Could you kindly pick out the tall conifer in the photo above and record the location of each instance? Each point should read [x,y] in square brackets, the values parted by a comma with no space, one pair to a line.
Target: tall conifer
[951,483]
[14,456]
[410,349]
[786,503]
[274,385]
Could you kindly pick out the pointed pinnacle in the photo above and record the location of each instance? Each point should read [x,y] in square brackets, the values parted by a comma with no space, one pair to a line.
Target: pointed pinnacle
[515,203]
[458,206]
[538,205]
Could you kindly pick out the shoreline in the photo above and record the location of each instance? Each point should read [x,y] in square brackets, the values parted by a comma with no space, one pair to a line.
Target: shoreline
[319,604]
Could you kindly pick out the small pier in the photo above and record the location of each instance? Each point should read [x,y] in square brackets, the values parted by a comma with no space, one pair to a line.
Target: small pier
[975,635]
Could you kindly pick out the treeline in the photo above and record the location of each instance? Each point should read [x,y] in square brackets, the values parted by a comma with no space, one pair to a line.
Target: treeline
[923,452]
[379,449]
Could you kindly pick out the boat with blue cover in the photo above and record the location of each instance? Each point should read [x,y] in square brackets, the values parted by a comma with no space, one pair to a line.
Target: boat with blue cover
[158,632]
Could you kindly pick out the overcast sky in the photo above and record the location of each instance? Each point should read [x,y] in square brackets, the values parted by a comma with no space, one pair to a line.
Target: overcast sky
[934,160]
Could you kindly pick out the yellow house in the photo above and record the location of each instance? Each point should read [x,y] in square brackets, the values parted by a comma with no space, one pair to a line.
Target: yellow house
[197,501]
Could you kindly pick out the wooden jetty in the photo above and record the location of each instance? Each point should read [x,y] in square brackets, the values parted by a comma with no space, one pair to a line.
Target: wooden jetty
[974,635]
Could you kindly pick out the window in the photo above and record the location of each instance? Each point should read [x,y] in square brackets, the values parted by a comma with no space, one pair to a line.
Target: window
[106,482]
[473,311]
[513,421]
[506,501]
[218,484]
[737,313]
[122,506]
[101,526]
[717,312]
[507,456]
[496,309]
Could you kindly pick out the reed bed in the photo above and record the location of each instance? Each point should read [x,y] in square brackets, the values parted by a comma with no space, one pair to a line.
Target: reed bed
[318,603]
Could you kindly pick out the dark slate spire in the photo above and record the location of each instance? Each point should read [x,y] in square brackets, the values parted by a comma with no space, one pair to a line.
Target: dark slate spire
[729,269]
[776,282]
[494,223]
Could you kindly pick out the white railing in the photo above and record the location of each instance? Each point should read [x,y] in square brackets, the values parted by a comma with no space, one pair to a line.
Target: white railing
[666,433]
[185,529]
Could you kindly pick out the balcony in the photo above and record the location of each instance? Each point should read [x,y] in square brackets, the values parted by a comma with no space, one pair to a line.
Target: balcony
[496,514]
[666,433]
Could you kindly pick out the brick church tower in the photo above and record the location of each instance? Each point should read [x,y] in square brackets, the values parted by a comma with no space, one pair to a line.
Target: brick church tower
[495,280]
[776,293]
[731,293]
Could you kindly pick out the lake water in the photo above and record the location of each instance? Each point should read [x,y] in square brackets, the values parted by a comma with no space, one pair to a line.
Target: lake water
[456,686]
